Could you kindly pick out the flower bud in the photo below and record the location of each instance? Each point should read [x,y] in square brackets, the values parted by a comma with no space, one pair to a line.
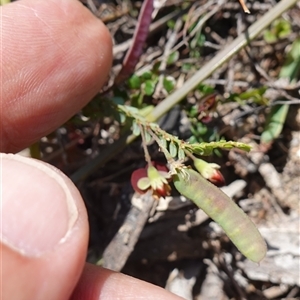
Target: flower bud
[209,171]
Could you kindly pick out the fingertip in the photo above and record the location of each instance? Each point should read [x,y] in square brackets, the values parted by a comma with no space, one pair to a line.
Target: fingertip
[97,283]
[56,57]
[44,231]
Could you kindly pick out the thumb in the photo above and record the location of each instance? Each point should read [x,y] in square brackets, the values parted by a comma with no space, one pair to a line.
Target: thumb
[44,231]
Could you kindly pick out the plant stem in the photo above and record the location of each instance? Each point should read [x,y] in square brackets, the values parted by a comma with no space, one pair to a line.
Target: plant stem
[146,152]
[163,149]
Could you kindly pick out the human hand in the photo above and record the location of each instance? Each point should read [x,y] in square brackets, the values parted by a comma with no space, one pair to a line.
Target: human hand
[55,57]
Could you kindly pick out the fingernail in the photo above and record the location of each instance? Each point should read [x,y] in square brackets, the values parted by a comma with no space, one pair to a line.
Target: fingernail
[38,210]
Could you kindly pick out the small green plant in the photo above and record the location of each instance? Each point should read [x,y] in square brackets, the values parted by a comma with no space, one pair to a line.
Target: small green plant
[191,184]
[279,29]
[251,95]
[145,85]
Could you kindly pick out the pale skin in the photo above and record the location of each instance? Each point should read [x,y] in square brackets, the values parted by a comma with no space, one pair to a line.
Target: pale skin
[55,57]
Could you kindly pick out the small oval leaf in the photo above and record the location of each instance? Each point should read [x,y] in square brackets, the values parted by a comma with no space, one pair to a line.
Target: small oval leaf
[173,149]
[148,137]
[181,154]
[136,129]
[163,143]
[122,118]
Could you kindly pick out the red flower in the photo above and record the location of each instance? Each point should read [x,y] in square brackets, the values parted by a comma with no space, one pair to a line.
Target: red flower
[153,177]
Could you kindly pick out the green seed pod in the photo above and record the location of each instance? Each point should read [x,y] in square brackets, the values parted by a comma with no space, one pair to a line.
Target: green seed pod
[218,206]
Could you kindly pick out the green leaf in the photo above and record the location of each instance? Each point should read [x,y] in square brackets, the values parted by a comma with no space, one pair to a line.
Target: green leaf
[208,148]
[201,128]
[136,128]
[186,67]
[131,109]
[171,24]
[173,149]
[169,83]
[206,89]
[255,95]
[163,143]
[148,137]
[195,53]
[137,99]
[291,67]
[122,118]
[149,87]
[270,37]
[275,122]
[193,112]
[134,82]
[181,154]
[173,58]
[192,139]
[283,28]
[280,29]
[201,40]
[278,114]
[146,75]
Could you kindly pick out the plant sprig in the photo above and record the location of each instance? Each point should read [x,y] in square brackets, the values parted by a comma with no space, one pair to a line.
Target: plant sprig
[175,146]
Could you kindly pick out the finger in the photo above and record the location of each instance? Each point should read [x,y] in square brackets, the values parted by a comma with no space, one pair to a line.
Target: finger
[44,231]
[55,57]
[97,283]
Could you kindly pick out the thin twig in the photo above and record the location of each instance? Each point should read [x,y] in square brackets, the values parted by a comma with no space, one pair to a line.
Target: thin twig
[139,38]
[121,246]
